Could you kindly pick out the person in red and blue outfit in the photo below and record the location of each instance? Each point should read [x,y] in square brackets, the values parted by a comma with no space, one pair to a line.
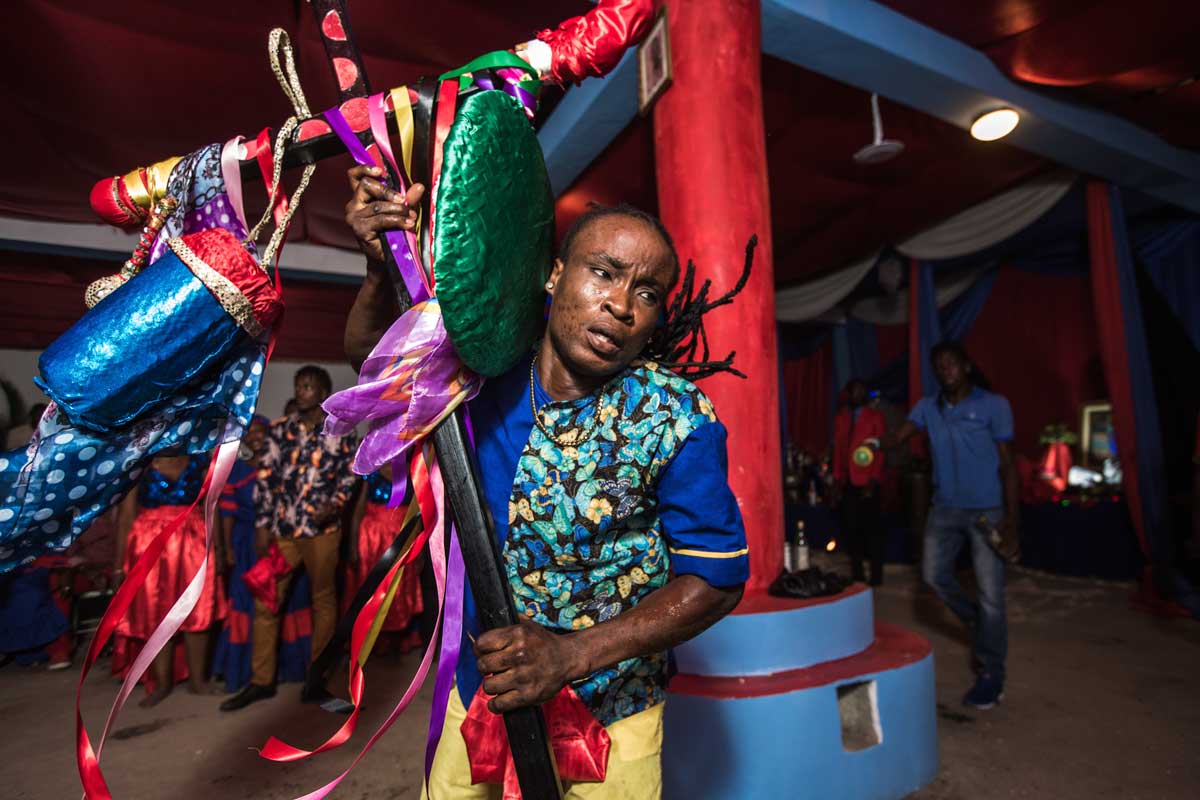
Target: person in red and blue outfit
[238,513]
[856,485]
[373,528]
[606,475]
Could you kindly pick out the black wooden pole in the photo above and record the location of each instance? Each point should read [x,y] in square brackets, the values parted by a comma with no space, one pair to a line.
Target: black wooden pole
[527,735]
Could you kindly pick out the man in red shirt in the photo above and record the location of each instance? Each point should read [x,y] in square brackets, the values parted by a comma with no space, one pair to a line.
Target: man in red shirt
[859,426]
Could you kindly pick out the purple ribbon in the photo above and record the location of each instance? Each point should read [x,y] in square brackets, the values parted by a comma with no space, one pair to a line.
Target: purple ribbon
[406,260]
[451,644]
[512,78]
[409,383]
[511,86]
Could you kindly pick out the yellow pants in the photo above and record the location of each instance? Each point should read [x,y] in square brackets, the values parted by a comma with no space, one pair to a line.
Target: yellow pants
[320,557]
[634,766]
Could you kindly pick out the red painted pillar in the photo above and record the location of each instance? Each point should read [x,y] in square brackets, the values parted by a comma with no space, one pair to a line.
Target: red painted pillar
[712,194]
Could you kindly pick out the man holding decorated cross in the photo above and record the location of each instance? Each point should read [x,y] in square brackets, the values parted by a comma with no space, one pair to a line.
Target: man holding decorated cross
[605,473]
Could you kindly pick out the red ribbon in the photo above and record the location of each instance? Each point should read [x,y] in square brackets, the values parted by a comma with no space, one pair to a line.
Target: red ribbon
[94,785]
[278,750]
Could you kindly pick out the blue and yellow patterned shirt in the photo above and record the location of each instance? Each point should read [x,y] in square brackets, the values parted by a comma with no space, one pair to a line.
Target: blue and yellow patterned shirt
[590,529]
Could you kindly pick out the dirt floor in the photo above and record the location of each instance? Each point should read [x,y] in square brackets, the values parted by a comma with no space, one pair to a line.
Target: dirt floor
[1101,703]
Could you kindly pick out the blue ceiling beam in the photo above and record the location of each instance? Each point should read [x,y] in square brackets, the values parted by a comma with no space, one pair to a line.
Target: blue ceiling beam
[864,44]
[586,121]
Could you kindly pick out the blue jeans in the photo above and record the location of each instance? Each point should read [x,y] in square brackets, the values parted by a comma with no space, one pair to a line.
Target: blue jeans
[945,533]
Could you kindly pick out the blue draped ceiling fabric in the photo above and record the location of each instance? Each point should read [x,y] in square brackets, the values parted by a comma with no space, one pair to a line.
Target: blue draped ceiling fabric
[1170,255]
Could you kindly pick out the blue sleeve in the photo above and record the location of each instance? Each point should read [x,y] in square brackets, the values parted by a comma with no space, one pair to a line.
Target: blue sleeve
[917,415]
[699,514]
[1001,419]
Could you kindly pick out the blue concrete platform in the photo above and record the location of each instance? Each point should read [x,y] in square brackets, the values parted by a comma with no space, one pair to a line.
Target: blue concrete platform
[768,635]
[859,727]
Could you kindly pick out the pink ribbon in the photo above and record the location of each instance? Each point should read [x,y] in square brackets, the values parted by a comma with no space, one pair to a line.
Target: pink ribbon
[404,249]
[166,630]
[231,173]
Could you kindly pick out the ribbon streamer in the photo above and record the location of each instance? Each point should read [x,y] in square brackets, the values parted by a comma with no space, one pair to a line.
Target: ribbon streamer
[94,785]
[402,248]
[427,485]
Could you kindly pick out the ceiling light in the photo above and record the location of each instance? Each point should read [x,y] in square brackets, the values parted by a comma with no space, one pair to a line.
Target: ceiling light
[995,124]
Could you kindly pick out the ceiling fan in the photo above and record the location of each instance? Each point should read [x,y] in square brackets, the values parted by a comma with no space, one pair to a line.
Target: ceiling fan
[881,149]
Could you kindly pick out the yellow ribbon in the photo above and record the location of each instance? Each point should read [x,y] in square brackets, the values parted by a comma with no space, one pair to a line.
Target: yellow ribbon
[404,124]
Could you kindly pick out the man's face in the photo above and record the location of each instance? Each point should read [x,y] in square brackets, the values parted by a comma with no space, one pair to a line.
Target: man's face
[951,371]
[608,298]
[310,393]
[858,393]
[255,437]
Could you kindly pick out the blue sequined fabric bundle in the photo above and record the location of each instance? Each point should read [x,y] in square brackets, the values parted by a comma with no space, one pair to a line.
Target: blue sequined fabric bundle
[169,362]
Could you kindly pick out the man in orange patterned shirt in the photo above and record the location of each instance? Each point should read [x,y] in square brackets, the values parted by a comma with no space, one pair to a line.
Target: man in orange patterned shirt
[304,485]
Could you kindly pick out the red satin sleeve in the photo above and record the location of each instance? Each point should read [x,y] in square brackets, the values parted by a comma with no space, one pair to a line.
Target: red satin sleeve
[592,45]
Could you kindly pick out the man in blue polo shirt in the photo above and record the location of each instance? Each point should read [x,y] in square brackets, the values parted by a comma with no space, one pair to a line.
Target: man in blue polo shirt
[970,431]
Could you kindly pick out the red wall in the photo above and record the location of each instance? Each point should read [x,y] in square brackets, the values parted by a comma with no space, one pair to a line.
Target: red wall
[806,392]
[1036,341]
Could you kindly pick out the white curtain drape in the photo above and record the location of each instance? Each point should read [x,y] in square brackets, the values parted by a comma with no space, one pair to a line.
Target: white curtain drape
[970,231]
[810,300]
[893,309]
[991,221]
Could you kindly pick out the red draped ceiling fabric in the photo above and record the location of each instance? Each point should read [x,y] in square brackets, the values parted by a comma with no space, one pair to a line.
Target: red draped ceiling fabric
[1048,364]
[43,296]
[1110,316]
[146,80]
[1036,340]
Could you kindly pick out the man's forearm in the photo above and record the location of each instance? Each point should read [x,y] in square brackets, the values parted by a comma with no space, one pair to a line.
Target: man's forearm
[679,611]
[375,309]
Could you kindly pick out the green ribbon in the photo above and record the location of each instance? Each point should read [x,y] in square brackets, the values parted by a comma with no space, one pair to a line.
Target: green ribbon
[496,59]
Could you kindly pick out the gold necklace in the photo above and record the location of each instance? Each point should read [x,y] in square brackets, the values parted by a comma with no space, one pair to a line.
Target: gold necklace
[576,437]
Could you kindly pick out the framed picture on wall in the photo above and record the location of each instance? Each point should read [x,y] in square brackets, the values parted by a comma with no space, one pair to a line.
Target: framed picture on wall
[654,63]
[1096,441]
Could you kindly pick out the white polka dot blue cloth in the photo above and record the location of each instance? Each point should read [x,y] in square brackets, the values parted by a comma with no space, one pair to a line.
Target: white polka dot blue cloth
[52,489]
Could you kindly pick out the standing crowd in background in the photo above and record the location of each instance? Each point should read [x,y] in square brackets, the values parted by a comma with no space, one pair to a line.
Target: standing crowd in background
[298,529]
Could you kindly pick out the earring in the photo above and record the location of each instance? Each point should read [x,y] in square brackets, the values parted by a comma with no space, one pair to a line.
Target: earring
[549,286]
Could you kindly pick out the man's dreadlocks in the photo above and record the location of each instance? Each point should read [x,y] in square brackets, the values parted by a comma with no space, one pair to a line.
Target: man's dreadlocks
[682,333]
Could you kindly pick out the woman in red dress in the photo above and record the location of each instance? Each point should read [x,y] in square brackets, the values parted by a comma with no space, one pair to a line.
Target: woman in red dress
[375,527]
[167,490]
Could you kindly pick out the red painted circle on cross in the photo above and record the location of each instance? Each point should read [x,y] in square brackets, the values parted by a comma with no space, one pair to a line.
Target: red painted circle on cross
[331,26]
[347,72]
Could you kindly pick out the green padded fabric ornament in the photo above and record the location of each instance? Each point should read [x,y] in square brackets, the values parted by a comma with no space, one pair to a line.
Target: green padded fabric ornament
[494,233]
